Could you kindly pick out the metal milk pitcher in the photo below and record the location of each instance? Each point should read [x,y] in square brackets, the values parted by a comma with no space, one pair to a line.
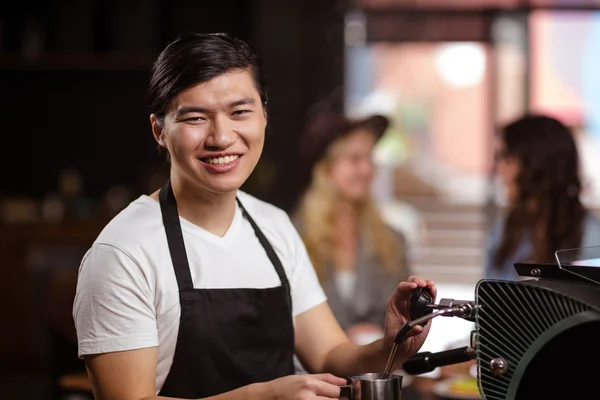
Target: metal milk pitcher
[372,387]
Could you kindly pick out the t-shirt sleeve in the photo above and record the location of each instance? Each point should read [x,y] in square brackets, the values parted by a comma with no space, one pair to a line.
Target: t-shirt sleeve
[306,288]
[114,303]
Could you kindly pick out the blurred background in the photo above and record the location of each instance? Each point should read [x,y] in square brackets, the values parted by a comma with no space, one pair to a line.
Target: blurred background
[448,73]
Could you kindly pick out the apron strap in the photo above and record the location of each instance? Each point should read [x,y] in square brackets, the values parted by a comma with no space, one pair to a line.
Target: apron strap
[170,216]
[270,253]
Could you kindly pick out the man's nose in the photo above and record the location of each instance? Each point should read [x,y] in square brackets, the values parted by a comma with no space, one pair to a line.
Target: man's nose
[221,134]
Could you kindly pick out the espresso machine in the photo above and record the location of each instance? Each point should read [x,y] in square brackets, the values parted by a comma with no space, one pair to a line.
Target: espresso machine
[536,338]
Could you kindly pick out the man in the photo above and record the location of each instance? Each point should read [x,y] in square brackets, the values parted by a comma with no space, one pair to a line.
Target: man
[200,289]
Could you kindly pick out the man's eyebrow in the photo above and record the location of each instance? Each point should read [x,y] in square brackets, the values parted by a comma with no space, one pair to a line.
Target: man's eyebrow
[242,102]
[189,109]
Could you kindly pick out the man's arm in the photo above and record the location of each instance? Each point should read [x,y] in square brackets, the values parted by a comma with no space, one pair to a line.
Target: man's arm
[130,375]
[116,326]
[123,375]
[322,346]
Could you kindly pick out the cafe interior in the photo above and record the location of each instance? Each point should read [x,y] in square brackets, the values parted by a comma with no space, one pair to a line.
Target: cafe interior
[448,74]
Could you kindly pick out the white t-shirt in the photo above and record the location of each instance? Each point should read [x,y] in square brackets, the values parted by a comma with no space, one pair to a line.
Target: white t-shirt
[127,294]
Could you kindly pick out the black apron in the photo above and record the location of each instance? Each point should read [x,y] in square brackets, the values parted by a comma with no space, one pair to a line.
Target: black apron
[227,338]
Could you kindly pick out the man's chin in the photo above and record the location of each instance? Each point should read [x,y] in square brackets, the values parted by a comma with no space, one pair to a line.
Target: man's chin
[224,186]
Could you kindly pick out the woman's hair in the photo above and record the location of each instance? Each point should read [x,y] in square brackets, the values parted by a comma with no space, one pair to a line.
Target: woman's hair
[548,186]
[316,216]
[196,58]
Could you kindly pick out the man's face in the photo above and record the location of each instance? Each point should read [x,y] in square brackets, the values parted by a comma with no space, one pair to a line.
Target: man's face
[214,132]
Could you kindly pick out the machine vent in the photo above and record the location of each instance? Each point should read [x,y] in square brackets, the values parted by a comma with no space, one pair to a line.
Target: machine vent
[510,317]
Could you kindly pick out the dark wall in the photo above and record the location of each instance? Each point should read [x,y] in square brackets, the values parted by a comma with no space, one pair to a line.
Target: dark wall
[94,120]
[73,77]
[302,45]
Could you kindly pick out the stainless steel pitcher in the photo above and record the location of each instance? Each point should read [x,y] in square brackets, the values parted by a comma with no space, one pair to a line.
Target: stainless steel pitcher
[373,387]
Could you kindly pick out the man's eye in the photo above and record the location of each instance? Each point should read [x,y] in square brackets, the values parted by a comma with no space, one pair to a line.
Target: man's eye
[194,119]
[241,112]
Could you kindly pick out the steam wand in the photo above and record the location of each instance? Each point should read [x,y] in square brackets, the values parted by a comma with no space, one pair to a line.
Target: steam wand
[463,310]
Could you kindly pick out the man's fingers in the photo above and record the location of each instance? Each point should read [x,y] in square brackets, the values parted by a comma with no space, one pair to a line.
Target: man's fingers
[417,330]
[414,282]
[431,286]
[418,281]
[330,378]
[407,286]
[325,389]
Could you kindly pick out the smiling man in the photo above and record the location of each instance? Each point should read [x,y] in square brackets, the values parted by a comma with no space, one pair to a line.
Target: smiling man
[200,289]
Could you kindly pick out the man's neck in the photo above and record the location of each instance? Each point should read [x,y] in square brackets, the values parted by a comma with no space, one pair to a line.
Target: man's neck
[213,212]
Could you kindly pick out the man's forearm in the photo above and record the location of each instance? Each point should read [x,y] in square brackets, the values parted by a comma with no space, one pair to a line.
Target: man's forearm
[350,359]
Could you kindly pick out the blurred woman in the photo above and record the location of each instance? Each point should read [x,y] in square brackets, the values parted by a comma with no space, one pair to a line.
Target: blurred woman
[357,257]
[539,165]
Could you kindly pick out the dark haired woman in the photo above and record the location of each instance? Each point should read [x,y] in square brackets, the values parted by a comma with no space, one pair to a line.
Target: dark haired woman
[539,164]
[200,289]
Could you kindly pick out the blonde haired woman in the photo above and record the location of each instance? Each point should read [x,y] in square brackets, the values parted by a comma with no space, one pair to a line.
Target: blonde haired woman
[358,258]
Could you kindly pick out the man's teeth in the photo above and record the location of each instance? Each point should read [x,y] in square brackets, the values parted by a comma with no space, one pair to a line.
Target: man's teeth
[221,160]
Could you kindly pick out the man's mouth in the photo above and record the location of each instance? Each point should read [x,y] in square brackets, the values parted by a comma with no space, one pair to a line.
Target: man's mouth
[220,160]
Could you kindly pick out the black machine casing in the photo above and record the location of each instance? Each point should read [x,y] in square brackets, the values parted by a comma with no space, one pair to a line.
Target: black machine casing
[540,337]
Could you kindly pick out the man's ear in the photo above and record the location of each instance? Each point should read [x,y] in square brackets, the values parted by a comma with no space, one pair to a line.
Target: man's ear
[158,131]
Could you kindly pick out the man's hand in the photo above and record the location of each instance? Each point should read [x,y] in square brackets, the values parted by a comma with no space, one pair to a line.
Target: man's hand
[398,313]
[298,387]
